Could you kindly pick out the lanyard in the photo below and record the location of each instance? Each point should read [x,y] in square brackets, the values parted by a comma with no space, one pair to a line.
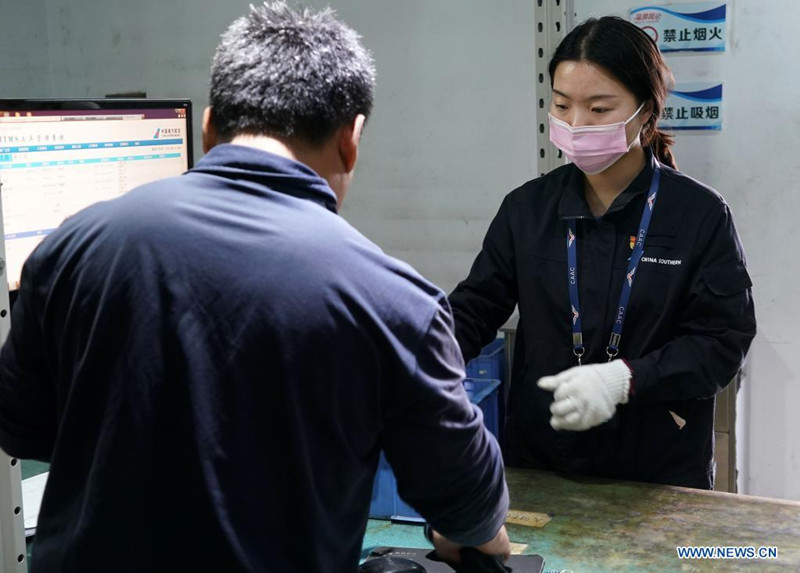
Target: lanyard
[627,285]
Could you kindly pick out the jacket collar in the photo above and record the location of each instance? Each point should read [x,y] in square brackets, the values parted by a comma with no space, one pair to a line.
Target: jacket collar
[246,164]
[573,205]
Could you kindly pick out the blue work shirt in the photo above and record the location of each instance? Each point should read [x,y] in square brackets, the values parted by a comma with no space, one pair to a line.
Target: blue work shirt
[212,363]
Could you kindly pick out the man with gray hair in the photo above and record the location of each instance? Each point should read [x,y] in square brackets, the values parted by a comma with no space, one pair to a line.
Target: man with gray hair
[212,362]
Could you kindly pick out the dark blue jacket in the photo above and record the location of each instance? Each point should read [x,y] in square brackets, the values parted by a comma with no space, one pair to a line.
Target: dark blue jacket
[212,364]
[688,326]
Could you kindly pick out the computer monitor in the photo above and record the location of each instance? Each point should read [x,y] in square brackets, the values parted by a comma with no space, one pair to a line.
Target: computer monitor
[59,156]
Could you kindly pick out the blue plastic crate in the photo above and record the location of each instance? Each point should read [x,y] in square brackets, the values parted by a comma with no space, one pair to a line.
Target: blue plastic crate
[485,394]
[490,363]
[386,503]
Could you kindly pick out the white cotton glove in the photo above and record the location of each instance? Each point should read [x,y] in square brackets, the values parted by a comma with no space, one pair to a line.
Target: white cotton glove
[587,396]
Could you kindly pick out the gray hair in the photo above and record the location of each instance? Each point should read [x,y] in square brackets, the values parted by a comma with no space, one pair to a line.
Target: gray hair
[289,73]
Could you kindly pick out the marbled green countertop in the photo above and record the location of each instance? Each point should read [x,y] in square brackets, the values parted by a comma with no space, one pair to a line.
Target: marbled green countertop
[603,526]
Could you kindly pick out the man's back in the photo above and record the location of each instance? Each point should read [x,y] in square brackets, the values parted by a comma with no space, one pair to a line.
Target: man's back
[229,358]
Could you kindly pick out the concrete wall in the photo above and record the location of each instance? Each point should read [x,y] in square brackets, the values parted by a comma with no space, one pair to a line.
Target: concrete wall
[24,61]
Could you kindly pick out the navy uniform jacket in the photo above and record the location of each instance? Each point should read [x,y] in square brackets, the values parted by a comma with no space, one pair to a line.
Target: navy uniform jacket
[688,326]
[212,363]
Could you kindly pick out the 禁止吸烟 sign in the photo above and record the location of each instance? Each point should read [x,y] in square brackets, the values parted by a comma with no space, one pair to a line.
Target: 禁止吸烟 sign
[693,106]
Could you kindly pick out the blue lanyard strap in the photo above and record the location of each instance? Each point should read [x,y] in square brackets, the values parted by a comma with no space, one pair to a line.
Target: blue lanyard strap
[572,270]
[627,285]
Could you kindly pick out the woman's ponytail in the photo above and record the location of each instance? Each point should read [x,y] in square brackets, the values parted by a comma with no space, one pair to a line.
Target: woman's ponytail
[661,142]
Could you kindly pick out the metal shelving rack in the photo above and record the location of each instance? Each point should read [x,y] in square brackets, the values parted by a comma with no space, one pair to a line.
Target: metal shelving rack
[12,526]
[553,19]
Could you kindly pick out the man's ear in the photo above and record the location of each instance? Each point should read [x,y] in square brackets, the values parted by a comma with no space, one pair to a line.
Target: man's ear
[349,138]
[210,138]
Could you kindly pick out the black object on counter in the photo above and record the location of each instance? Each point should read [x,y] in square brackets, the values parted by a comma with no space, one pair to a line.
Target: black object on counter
[473,561]
[389,564]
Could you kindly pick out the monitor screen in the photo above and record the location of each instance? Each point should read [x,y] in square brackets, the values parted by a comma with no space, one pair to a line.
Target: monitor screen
[59,156]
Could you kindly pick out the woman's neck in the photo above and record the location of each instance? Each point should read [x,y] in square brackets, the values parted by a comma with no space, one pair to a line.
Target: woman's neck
[602,188]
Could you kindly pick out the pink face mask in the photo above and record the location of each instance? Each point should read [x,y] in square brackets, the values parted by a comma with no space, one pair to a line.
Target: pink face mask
[592,148]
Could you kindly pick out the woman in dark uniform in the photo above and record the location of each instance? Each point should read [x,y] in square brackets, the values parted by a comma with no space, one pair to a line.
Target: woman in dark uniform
[634,300]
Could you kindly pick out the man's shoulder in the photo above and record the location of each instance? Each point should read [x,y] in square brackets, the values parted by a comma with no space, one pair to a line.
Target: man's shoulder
[380,272]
